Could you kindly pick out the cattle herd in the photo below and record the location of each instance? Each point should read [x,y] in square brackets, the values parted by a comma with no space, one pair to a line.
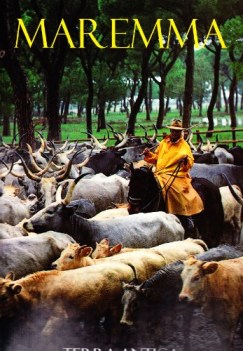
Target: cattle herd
[78,272]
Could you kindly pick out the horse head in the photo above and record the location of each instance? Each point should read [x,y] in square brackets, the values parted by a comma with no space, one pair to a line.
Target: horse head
[144,193]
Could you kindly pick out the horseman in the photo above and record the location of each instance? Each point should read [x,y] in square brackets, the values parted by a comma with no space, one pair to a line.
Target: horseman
[173,159]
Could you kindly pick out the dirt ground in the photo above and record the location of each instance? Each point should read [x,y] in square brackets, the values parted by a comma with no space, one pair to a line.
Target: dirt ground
[179,330]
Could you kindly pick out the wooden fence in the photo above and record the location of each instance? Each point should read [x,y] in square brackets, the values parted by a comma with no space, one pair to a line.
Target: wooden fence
[234,141]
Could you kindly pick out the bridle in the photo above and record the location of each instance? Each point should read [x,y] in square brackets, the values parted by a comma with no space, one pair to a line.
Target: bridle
[155,201]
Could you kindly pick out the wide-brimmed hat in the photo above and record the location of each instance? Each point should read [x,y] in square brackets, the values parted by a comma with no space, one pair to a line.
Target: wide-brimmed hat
[176,124]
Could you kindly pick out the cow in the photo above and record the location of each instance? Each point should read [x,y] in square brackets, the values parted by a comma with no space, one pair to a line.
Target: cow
[138,230]
[218,288]
[8,231]
[28,254]
[112,213]
[232,213]
[215,173]
[237,153]
[76,256]
[107,162]
[102,190]
[90,292]
[14,210]
[165,285]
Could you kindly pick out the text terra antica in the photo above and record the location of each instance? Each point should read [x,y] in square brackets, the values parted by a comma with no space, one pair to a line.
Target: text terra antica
[116,33]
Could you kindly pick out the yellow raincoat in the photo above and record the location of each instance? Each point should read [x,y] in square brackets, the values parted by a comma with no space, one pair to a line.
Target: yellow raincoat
[180,197]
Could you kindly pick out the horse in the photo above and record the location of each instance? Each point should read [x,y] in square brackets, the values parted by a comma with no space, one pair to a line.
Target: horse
[145,195]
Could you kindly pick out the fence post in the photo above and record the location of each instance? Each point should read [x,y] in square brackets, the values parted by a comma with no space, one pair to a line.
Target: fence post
[233,136]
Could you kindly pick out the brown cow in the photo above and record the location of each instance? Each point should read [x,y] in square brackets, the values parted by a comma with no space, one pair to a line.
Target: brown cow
[218,287]
[90,291]
[75,256]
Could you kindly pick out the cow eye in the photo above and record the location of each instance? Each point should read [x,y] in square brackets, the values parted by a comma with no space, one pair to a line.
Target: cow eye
[49,211]
[196,278]
[71,257]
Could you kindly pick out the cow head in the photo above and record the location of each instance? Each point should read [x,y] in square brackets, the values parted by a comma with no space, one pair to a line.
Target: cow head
[103,249]
[194,276]
[74,256]
[131,300]
[8,292]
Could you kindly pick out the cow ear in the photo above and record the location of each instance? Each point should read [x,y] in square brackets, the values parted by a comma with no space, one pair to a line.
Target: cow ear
[10,276]
[124,285]
[70,209]
[116,249]
[15,289]
[209,267]
[86,251]
[104,241]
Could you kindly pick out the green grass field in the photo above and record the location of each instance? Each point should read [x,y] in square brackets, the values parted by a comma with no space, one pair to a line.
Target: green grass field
[76,127]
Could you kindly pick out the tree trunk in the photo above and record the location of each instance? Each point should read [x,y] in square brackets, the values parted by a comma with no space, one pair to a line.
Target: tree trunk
[89,101]
[22,97]
[188,95]
[147,105]
[142,91]
[226,110]
[236,99]
[6,125]
[161,112]
[66,107]
[215,89]
[232,90]
[52,105]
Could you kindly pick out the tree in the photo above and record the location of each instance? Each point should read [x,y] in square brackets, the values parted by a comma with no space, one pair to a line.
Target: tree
[11,62]
[52,61]
[233,33]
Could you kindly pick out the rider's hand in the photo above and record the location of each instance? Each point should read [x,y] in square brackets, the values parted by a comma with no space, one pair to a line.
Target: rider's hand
[185,159]
[146,151]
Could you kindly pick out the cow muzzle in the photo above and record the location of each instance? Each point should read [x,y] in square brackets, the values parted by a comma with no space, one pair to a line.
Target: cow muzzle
[126,322]
[28,226]
[184,298]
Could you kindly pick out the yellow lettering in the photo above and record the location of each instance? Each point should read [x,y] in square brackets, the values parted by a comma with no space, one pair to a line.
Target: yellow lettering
[30,42]
[114,33]
[177,34]
[90,34]
[146,42]
[65,32]
[216,33]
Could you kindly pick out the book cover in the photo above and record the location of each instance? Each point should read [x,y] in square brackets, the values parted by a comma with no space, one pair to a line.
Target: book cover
[73,70]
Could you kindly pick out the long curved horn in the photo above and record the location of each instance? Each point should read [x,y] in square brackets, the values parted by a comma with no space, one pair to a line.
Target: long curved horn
[64,145]
[97,143]
[209,146]
[154,137]
[44,170]
[6,145]
[27,171]
[214,147]
[123,142]
[68,152]
[32,160]
[43,144]
[189,140]
[145,131]
[60,188]
[8,170]
[232,190]
[68,168]
[71,187]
